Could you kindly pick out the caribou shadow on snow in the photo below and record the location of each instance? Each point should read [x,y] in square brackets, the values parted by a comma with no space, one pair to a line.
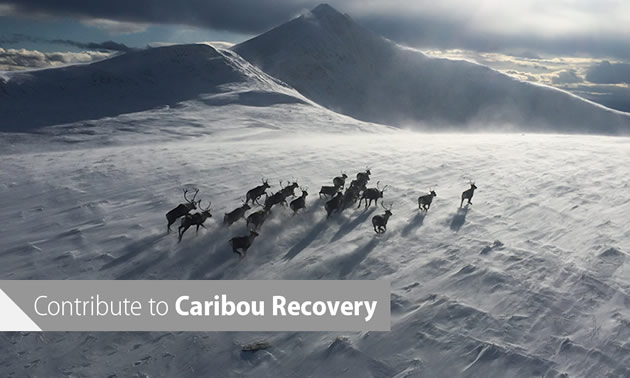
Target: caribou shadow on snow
[306,241]
[348,227]
[352,260]
[415,223]
[459,218]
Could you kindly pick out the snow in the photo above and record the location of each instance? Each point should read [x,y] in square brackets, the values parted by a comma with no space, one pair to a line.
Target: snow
[531,279]
[345,67]
[160,77]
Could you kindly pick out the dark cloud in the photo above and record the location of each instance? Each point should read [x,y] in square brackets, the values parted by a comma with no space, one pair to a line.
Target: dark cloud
[444,25]
[244,16]
[567,77]
[95,46]
[609,73]
[445,33]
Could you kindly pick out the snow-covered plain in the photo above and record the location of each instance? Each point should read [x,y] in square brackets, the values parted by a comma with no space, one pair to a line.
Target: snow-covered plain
[531,280]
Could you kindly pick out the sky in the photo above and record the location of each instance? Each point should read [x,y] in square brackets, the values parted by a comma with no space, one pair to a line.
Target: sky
[579,45]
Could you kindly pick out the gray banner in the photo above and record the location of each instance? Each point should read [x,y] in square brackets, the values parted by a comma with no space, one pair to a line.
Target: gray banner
[203,305]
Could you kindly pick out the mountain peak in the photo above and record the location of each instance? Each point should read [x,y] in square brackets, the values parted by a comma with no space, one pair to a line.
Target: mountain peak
[325,13]
[324,9]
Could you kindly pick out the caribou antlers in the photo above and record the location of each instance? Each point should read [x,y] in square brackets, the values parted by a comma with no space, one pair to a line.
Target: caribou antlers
[181,209]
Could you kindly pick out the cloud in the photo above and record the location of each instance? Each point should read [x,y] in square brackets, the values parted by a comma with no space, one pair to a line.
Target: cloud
[609,73]
[116,27]
[567,77]
[98,46]
[19,59]
[598,28]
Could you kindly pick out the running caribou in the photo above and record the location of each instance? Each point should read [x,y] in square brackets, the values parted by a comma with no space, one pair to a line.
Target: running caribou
[195,219]
[424,202]
[340,181]
[300,202]
[372,194]
[468,194]
[235,214]
[255,194]
[379,222]
[243,243]
[181,209]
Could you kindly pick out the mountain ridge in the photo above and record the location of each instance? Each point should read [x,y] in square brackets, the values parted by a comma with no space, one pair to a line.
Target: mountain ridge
[132,82]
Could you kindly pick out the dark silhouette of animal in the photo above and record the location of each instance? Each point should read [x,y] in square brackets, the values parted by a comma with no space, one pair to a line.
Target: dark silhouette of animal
[243,243]
[379,222]
[181,209]
[351,196]
[334,204]
[235,214]
[300,202]
[424,202]
[468,194]
[256,219]
[328,191]
[358,185]
[340,181]
[255,194]
[195,219]
[273,200]
[288,190]
[372,194]
[364,177]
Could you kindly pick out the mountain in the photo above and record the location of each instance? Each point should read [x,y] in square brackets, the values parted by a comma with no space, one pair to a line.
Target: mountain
[134,82]
[345,67]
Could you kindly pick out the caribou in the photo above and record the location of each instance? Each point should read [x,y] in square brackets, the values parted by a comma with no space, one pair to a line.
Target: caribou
[328,191]
[256,219]
[334,204]
[379,222]
[364,177]
[195,219]
[273,200]
[424,201]
[350,196]
[243,243]
[340,181]
[181,209]
[288,190]
[235,214]
[300,202]
[255,194]
[468,194]
[372,194]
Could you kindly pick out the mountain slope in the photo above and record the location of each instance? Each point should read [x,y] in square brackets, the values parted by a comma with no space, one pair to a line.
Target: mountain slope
[133,82]
[340,65]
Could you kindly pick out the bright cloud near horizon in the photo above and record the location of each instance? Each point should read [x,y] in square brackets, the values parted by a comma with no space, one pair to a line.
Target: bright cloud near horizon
[579,45]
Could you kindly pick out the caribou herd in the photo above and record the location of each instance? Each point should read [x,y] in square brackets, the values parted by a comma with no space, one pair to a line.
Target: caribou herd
[338,198]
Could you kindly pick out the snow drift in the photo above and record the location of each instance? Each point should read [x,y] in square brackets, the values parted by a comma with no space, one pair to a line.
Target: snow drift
[341,65]
[133,82]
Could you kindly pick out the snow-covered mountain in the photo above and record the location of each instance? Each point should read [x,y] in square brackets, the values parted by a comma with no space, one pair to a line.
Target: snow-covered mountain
[341,65]
[133,82]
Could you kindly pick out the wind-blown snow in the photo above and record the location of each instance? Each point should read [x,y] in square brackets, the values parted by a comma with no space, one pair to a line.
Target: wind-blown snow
[341,65]
[531,280]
